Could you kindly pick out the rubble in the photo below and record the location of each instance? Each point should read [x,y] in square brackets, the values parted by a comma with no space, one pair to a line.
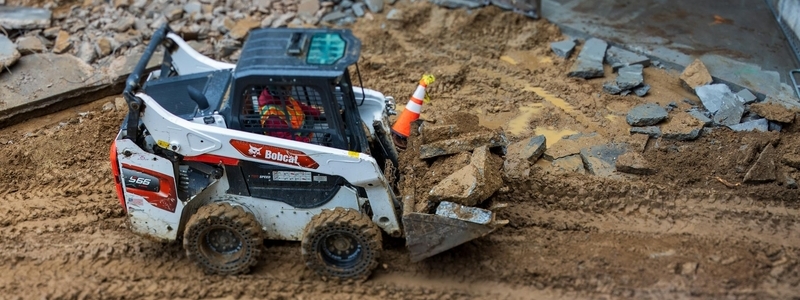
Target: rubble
[25,18]
[8,53]
[638,141]
[473,183]
[791,159]
[570,145]
[563,48]
[375,6]
[646,115]
[730,113]
[86,52]
[569,164]
[774,126]
[633,163]
[123,24]
[62,43]
[618,58]
[589,63]
[695,75]
[642,90]
[715,95]
[459,3]
[601,160]
[700,116]
[754,125]
[773,111]
[358,9]
[242,27]
[746,96]
[681,126]
[395,15]
[466,142]
[30,45]
[764,169]
[651,131]
[521,154]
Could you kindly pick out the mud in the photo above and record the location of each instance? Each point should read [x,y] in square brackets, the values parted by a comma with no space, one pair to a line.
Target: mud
[678,233]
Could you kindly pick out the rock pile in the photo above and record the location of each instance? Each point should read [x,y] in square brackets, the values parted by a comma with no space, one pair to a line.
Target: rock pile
[589,64]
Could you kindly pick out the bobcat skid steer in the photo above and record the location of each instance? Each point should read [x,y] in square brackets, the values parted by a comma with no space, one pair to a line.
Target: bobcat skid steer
[195,160]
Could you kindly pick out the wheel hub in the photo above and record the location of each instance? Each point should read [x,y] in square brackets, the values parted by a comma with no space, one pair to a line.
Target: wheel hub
[223,241]
[340,249]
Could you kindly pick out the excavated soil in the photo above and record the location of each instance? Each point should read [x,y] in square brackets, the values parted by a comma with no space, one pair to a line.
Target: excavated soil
[692,229]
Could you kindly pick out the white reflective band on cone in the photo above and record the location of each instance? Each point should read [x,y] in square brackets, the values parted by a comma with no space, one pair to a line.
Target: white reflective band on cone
[419,93]
[414,106]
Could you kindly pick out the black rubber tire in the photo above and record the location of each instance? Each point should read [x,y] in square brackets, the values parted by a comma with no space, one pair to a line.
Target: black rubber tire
[232,221]
[358,228]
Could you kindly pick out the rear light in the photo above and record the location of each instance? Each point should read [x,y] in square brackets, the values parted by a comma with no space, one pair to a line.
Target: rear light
[115,171]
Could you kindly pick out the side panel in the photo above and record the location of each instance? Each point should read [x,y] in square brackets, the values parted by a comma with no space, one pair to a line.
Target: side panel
[186,60]
[150,192]
[279,220]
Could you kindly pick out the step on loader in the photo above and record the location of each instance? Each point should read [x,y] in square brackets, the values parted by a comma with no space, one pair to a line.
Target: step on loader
[279,146]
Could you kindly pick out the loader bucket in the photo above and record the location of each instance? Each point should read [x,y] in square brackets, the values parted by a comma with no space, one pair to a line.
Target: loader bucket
[452,225]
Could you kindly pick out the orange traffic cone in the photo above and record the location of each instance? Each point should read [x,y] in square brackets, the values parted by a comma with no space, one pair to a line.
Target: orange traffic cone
[402,127]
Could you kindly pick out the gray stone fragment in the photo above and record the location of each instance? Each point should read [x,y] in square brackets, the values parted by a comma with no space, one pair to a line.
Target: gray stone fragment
[530,149]
[652,131]
[375,6]
[641,90]
[346,4]
[395,15]
[333,16]
[746,96]
[611,87]
[563,48]
[16,17]
[601,160]
[358,9]
[459,3]
[755,125]
[123,24]
[30,44]
[697,114]
[646,114]
[630,77]
[775,126]
[689,134]
[8,53]
[589,63]
[192,7]
[86,52]
[618,57]
[790,182]
[714,96]
[730,113]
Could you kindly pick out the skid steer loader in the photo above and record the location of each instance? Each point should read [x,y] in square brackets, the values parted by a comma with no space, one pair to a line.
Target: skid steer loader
[195,158]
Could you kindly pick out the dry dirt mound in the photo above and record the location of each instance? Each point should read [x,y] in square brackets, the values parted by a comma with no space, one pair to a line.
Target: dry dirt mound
[675,234]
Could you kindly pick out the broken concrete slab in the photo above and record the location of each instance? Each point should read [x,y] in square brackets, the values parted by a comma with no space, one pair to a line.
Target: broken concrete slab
[569,164]
[611,87]
[746,96]
[695,75]
[30,45]
[521,155]
[17,17]
[465,142]
[618,57]
[571,145]
[601,160]
[754,125]
[68,82]
[764,169]
[8,53]
[629,77]
[633,163]
[563,48]
[641,90]
[459,3]
[589,63]
[700,116]
[646,115]
[473,183]
[774,111]
[681,126]
[651,131]
[638,141]
[431,132]
[730,113]
[715,95]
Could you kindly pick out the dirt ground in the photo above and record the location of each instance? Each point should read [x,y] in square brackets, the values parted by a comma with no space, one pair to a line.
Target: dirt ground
[679,233]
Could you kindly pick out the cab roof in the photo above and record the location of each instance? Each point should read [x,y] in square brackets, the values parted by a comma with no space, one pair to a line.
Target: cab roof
[297,52]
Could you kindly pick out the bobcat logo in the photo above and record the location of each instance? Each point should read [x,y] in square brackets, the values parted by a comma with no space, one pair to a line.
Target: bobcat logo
[254,152]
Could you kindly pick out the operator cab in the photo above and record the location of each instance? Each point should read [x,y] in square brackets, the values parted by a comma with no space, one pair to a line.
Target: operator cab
[295,84]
